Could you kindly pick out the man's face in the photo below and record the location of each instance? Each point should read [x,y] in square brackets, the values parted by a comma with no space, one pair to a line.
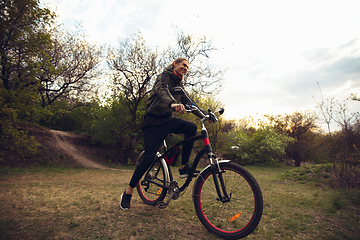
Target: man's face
[181,68]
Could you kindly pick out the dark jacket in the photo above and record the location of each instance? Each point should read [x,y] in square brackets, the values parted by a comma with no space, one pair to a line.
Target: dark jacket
[158,110]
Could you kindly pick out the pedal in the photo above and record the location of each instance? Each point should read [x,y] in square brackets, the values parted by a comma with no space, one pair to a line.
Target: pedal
[162,205]
[174,194]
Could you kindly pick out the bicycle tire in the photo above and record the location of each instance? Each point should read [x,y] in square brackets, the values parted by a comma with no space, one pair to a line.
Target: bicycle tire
[148,191]
[238,217]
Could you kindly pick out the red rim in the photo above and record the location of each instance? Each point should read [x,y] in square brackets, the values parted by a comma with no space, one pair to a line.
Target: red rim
[252,217]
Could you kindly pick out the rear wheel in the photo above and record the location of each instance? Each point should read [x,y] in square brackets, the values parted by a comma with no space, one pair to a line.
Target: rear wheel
[150,187]
[235,217]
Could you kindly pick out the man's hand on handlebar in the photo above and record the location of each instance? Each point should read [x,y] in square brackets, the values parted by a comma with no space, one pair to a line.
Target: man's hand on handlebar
[212,118]
[178,107]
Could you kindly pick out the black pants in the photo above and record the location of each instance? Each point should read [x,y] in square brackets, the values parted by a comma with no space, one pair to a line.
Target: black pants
[155,135]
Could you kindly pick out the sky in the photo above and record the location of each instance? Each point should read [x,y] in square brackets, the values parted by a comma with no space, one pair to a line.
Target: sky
[274,52]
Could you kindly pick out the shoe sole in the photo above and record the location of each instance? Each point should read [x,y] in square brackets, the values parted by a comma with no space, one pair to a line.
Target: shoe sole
[120,203]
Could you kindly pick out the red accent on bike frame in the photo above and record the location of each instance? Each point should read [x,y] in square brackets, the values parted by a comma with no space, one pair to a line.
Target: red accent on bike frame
[206,141]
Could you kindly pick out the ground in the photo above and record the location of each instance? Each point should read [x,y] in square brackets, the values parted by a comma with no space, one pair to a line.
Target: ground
[58,148]
[64,142]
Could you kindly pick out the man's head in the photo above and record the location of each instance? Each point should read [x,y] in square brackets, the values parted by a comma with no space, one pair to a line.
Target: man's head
[180,66]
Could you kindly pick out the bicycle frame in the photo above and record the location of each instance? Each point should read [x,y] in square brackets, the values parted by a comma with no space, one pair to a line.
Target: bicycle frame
[214,165]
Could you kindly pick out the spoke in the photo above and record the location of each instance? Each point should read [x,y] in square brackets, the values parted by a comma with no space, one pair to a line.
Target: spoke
[211,188]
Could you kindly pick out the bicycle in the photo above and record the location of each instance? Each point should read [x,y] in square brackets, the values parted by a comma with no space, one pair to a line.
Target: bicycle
[227,198]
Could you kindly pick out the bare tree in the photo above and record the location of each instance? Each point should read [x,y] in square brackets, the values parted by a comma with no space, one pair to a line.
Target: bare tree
[134,67]
[202,76]
[72,65]
[354,97]
[343,146]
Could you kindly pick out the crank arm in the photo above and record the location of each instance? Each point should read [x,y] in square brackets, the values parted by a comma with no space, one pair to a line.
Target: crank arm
[162,204]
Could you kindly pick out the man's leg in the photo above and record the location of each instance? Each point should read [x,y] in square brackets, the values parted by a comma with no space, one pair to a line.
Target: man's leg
[153,137]
[181,126]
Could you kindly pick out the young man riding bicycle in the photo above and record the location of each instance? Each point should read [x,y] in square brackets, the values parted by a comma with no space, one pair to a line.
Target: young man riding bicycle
[158,123]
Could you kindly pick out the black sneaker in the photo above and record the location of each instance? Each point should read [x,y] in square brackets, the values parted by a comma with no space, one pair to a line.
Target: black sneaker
[125,201]
[184,172]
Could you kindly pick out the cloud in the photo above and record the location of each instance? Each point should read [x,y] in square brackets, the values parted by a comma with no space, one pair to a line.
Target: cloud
[270,86]
[338,76]
[331,67]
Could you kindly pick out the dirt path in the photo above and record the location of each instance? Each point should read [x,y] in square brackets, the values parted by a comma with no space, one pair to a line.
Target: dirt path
[70,149]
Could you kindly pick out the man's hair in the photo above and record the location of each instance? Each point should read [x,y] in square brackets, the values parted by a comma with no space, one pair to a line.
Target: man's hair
[178,60]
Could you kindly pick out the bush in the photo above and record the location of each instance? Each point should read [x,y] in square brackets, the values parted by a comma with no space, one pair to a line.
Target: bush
[14,137]
[262,146]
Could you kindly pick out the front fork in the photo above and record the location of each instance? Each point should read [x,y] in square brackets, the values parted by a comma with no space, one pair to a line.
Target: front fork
[215,168]
[217,174]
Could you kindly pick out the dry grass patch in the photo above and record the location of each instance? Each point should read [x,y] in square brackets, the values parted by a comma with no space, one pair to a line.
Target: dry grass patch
[78,204]
[83,204]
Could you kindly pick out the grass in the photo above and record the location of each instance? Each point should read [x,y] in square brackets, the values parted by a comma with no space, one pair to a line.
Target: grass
[66,203]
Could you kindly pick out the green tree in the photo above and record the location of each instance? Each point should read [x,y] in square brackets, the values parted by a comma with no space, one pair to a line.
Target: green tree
[263,146]
[300,126]
[22,42]
[111,128]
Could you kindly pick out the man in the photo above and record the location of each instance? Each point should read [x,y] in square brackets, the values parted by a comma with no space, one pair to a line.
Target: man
[158,123]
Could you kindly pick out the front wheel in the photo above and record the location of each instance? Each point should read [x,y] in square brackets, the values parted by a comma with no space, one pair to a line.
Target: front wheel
[151,186]
[240,214]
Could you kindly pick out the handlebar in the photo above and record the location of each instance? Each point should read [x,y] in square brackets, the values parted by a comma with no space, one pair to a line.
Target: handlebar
[194,108]
[210,116]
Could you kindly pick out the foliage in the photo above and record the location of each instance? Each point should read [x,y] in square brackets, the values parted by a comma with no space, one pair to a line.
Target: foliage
[343,146]
[346,149]
[300,126]
[71,67]
[320,175]
[111,126]
[134,67]
[13,136]
[263,146]
[22,42]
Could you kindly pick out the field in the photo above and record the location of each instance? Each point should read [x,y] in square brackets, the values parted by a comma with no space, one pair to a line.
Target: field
[55,203]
